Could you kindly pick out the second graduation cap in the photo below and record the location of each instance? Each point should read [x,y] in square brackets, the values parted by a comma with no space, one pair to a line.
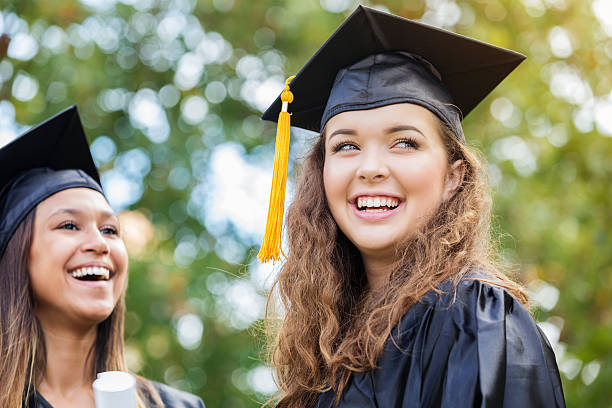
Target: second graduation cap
[49,158]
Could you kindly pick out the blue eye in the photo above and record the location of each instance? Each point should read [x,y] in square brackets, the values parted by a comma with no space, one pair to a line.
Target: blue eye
[343,146]
[406,144]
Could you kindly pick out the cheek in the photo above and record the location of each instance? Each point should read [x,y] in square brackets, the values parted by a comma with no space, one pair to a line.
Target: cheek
[336,179]
[424,179]
[48,259]
[333,190]
[329,184]
[120,260]
[120,255]
[47,274]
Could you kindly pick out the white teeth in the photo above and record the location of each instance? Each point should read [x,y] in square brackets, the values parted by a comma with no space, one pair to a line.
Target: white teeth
[92,270]
[364,202]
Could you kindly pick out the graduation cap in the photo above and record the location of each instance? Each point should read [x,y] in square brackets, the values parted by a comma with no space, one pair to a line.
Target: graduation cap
[469,69]
[376,59]
[49,158]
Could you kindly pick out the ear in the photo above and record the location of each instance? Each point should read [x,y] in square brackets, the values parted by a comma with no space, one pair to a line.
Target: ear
[454,179]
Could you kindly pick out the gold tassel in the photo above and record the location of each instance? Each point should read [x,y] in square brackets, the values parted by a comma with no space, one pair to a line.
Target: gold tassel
[271,245]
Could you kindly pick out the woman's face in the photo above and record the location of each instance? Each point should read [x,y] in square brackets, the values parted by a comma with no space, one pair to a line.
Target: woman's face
[78,262]
[386,171]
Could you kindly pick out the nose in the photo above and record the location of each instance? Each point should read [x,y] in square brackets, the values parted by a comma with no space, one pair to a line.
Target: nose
[95,242]
[372,167]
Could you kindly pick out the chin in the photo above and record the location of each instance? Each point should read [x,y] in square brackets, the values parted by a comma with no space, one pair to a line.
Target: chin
[382,248]
[97,314]
[376,241]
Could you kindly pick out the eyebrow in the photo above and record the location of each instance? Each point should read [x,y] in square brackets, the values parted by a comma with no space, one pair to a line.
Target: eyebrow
[74,211]
[342,132]
[393,129]
[399,128]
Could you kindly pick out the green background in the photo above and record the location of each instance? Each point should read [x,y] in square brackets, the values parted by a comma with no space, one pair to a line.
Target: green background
[195,295]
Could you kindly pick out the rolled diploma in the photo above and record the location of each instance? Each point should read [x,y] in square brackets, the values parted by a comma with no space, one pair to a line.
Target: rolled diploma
[115,389]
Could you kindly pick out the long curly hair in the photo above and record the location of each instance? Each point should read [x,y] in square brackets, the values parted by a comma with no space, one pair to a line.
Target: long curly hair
[22,340]
[332,325]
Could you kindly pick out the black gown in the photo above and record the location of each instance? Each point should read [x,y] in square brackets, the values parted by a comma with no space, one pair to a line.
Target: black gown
[172,398]
[482,350]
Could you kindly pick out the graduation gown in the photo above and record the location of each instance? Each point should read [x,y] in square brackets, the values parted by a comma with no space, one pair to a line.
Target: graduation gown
[172,398]
[482,349]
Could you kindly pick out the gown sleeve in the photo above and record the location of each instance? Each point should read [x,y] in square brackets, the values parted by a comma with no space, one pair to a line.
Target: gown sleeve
[174,398]
[480,349]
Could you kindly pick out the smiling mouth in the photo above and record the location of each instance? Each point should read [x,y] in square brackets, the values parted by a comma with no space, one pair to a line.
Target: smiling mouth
[376,204]
[91,273]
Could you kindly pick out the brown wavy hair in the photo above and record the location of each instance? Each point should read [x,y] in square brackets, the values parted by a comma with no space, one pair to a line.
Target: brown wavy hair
[22,340]
[333,325]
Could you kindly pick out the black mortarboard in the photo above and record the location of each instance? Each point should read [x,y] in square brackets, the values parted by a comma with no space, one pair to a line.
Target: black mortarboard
[375,59]
[50,157]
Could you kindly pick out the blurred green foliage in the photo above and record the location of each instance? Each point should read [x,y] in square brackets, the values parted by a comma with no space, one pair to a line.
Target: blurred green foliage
[546,133]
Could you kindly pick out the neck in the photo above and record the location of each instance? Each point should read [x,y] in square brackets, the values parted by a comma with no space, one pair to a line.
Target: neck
[377,269]
[68,369]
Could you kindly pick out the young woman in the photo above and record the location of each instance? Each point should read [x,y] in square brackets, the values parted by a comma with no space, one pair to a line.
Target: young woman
[64,270]
[390,292]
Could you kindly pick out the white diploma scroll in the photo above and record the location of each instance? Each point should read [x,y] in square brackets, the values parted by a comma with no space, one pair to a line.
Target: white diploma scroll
[115,389]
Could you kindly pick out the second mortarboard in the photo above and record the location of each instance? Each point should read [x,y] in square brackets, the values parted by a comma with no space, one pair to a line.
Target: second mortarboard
[375,59]
[49,158]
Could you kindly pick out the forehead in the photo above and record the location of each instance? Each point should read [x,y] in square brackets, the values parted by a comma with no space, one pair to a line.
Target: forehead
[84,199]
[385,116]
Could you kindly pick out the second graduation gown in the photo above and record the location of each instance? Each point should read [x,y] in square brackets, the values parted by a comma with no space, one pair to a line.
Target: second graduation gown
[482,349]
[171,397]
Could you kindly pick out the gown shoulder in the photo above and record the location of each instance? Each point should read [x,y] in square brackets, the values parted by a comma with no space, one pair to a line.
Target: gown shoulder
[475,346]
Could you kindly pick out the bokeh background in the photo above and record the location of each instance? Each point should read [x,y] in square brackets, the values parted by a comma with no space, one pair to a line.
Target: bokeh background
[170,93]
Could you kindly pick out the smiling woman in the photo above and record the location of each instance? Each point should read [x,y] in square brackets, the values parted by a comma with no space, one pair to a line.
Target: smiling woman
[76,251]
[64,272]
[391,293]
